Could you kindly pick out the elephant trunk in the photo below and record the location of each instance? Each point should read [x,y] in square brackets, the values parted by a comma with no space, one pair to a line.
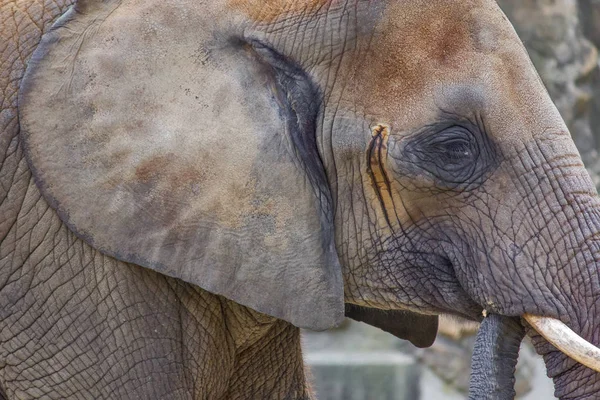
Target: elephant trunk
[572,380]
[570,343]
[541,257]
[495,359]
[569,337]
[497,348]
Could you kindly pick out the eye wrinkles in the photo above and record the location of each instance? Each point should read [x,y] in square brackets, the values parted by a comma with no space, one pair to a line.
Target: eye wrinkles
[454,153]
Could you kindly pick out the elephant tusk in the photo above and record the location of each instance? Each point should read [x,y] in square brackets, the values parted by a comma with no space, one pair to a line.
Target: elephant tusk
[565,340]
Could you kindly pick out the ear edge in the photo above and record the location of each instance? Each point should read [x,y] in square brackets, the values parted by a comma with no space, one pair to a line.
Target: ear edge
[334,304]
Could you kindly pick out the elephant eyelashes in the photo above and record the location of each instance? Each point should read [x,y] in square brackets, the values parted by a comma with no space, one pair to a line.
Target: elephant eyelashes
[455,147]
[454,155]
[456,150]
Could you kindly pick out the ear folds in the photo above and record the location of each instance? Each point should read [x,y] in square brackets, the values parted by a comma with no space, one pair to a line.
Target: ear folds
[164,144]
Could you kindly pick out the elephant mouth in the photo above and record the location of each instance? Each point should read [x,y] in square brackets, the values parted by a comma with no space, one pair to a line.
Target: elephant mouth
[553,330]
[454,257]
[497,346]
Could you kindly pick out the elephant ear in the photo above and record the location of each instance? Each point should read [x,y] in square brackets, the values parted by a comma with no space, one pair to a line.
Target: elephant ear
[164,142]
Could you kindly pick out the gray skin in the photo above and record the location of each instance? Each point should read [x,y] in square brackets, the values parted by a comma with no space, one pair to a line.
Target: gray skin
[170,168]
[78,324]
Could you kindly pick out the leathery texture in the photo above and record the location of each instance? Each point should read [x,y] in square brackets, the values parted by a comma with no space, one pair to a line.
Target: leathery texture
[82,325]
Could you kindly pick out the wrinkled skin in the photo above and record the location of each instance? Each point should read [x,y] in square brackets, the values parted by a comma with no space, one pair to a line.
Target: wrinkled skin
[455,184]
[77,324]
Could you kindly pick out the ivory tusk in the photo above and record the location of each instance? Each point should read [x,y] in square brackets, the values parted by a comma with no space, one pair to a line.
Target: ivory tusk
[565,340]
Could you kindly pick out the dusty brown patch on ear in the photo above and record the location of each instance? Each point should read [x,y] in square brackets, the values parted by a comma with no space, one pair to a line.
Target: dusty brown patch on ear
[185,176]
[271,10]
[151,168]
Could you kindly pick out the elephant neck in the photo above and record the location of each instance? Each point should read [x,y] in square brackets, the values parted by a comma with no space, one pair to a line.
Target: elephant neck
[158,337]
[267,355]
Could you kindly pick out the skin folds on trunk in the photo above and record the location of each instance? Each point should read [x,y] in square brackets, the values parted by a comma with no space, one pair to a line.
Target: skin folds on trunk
[495,358]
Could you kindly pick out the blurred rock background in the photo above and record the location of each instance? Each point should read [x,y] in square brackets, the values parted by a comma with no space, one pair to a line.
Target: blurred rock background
[358,362]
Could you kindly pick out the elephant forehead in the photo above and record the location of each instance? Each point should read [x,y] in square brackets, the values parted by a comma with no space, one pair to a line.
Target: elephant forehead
[418,46]
[271,10]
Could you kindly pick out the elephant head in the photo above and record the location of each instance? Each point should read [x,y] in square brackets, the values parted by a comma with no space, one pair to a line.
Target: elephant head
[294,156]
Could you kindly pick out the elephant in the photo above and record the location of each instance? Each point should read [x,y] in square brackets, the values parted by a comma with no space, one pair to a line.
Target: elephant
[186,184]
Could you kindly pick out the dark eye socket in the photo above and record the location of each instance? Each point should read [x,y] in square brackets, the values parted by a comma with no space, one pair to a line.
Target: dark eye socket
[453,155]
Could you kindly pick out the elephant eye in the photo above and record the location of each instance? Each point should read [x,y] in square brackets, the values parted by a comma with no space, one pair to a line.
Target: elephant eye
[452,147]
[453,154]
[455,150]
